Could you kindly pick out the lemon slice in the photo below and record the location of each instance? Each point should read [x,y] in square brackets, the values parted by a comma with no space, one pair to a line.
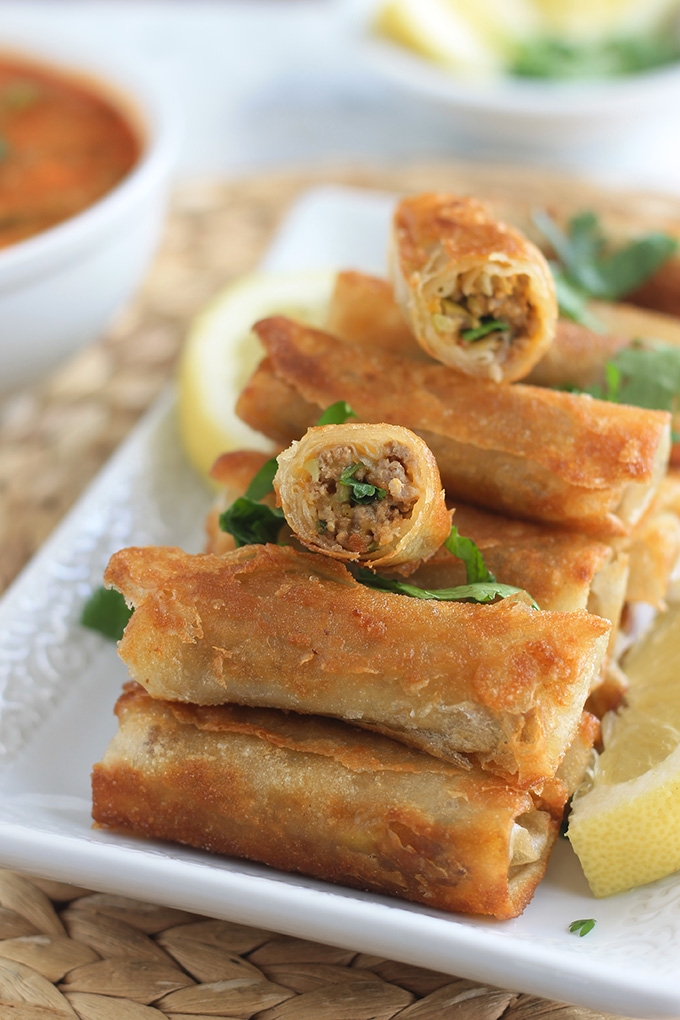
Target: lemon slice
[625,820]
[221,352]
[440,31]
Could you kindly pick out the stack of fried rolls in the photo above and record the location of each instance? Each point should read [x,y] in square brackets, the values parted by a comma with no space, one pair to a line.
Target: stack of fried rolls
[494,695]
[282,711]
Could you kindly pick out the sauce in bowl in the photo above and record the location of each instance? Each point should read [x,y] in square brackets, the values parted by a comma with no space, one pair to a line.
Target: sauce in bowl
[62,147]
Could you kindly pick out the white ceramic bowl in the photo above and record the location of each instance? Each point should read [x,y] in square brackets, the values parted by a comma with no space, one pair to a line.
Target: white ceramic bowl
[533,114]
[59,289]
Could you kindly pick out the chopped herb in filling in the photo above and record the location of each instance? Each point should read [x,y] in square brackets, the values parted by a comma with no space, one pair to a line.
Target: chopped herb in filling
[485,306]
[360,507]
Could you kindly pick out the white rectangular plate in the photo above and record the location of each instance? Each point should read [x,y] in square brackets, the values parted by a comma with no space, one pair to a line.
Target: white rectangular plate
[58,684]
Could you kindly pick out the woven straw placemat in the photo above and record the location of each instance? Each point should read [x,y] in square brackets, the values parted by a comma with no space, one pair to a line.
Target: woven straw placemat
[65,951]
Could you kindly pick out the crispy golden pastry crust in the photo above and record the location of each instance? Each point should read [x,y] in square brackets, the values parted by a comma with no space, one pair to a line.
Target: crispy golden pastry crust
[455,267]
[521,450]
[407,519]
[323,798]
[655,546]
[562,570]
[576,357]
[275,406]
[502,684]
[363,311]
[557,791]
[557,567]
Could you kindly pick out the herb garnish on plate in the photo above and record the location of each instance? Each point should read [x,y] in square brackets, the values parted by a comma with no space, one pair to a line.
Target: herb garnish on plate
[589,267]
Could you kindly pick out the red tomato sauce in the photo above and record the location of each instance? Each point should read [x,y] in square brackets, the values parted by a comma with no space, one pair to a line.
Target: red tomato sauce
[61,148]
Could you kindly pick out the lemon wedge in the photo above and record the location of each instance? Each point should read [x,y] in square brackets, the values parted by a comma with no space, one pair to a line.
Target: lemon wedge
[221,352]
[625,819]
[440,31]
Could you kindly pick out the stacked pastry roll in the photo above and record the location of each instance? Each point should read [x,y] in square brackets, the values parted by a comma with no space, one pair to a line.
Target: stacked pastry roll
[283,710]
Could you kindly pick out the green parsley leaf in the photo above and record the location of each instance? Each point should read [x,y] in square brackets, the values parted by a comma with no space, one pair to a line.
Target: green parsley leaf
[336,414]
[252,523]
[261,484]
[487,325]
[361,492]
[583,926]
[466,550]
[646,374]
[626,269]
[106,612]
[481,584]
[572,301]
[591,267]
[484,593]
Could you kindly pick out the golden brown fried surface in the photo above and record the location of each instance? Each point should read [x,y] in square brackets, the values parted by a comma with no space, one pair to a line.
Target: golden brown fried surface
[521,450]
[655,546]
[323,798]
[270,626]
[275,407]
[363,311]
[576,357]
[562,570]
[455,267]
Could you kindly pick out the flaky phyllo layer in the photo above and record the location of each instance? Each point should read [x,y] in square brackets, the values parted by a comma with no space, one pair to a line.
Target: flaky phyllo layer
[478,296]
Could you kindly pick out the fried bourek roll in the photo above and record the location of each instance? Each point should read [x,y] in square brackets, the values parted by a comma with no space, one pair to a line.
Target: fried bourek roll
[477,295]
[323,798]
[655,547]
[524,451]
[563,570]
[576,357]
[362,310]
[364,493]
[271,626]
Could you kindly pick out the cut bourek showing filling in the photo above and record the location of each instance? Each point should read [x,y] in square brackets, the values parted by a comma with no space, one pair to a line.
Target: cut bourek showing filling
[364,493]
[476,293]
[360,506]
[485,312]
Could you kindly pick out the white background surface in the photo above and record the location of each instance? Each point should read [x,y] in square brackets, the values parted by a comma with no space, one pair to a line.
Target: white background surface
[282,83]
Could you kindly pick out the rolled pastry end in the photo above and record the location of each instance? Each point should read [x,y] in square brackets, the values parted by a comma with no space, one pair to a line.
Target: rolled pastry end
[477,294]
[321,798]
[364,493]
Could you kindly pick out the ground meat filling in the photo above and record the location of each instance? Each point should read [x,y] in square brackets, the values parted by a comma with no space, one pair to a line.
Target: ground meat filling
[479,297]
[362,527]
